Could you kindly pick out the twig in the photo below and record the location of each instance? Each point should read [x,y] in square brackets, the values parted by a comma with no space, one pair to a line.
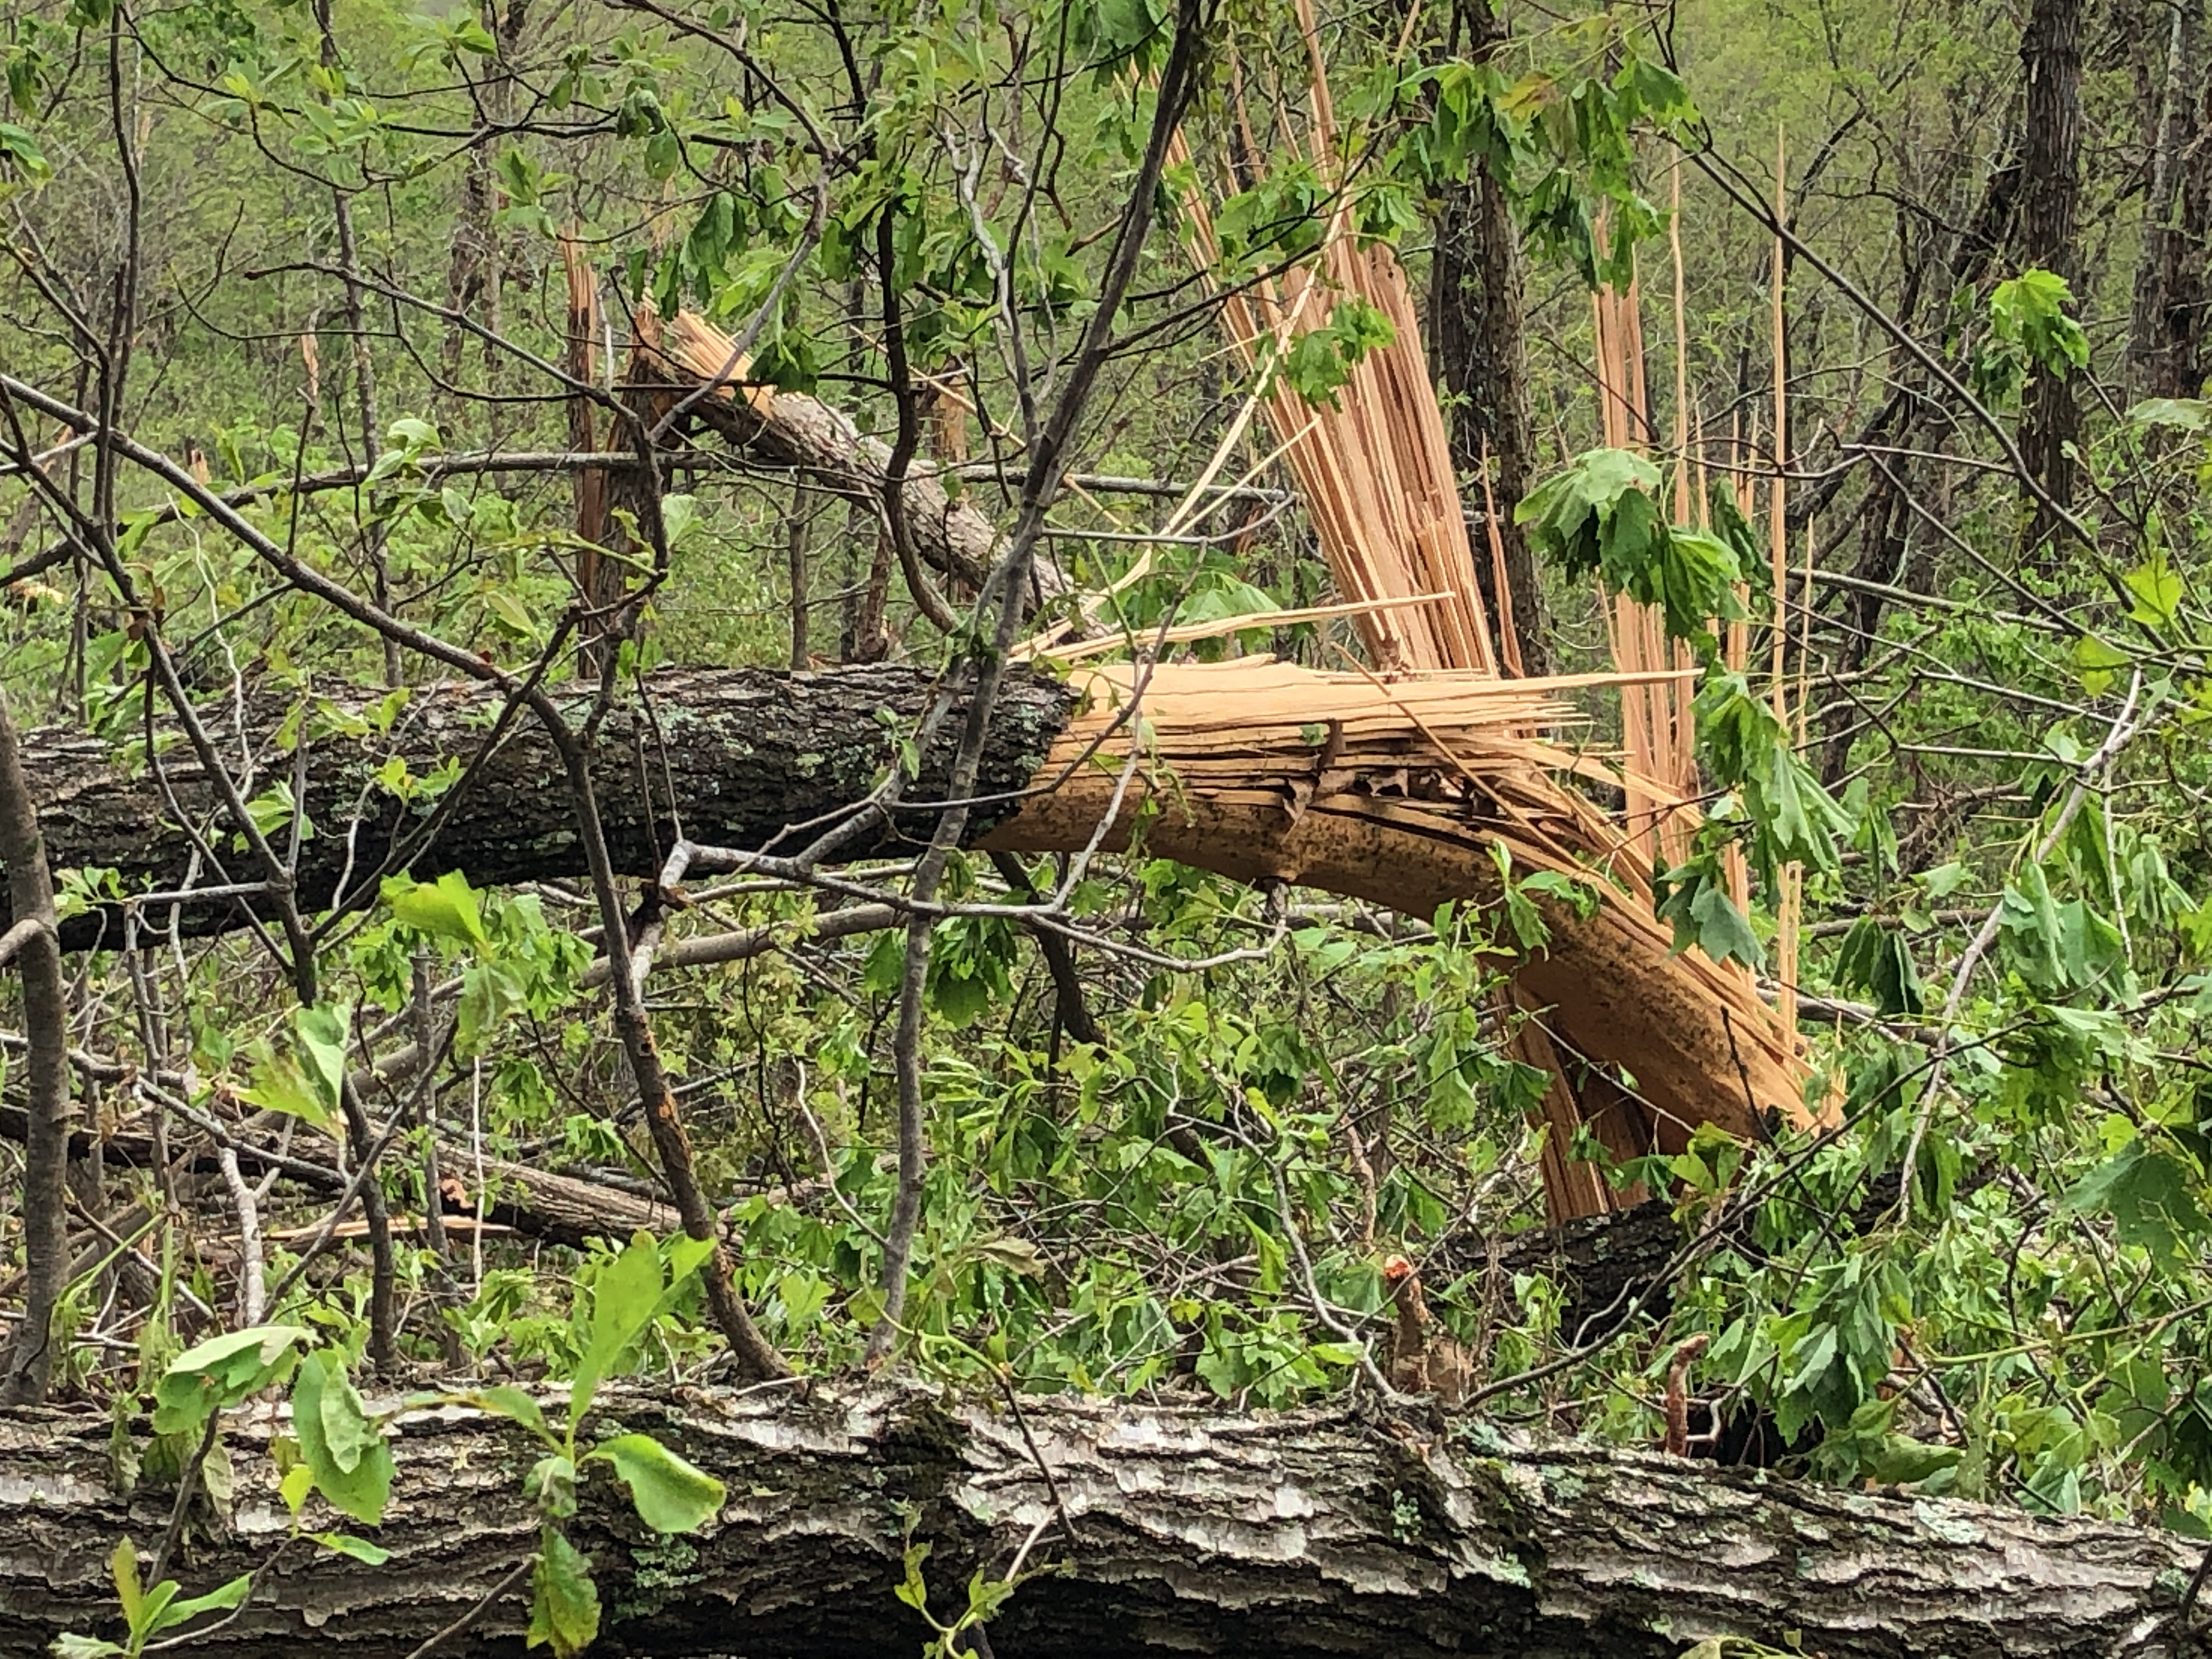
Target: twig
[462,1624]
[1322,1311]
[249,1239]
[1051,1485]
[829,1163]
[2124,727]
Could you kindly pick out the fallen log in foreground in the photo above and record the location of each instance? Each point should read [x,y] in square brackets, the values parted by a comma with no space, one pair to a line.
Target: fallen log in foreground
[1168,1530]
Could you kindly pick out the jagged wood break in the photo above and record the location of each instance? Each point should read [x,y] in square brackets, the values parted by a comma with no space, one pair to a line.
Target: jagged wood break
[1398,793]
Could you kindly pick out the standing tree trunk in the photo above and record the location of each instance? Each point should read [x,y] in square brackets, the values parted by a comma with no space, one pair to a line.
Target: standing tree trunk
[2168,354]
[32,939]
[1476,337]
[2050,202]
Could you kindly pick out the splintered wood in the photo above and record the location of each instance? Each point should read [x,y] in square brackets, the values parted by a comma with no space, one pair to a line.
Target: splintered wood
[1374,467]
[1375,473]
[1403,792]
[1410,782]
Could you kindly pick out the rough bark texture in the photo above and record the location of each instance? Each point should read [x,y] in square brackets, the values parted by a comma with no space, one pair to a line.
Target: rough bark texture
[29,1362]
[807,435]
[2049,203]
[1476,337]
[1195,1531]
[2169,344]
[741,755]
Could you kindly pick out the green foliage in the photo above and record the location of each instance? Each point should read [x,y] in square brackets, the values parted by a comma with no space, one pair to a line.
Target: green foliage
[346,1454]
[631,1292]
[305,1079]
[1878,959]
[220,1372]
[1601,515]
[1320,361]
[148,1611]
[2151,1195]
[2018,1315]
[2029,330]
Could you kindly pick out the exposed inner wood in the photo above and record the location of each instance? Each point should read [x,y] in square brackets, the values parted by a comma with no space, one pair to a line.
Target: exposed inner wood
[1399,794]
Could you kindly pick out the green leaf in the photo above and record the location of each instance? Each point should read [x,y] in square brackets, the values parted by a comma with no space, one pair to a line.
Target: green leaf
[564,1604]
[2029,926]
[1693,899]
[670,1494]
[2096,661]
[360,1549]
[510,616]
[2189,414]
[323,1032]
[1876,957]
[82,1647]
[514,1405]
[298,1483]
[281,1085]
[2158,588]
[351,1459]
[123,1571]
[2151,1197]
[1901,1461]
[2030,311]
[551,1485]
[221,1372]
[679,516]
[221,1600]
[19,146]
[624,1296]
[447,908]
[1602,513]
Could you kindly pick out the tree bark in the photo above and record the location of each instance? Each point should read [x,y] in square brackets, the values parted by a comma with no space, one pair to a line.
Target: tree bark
[2168,342]
[751,754]
[745,753]
[951,536]
[29,1364]
[1477,339]
[2049,203]
[1193,1530]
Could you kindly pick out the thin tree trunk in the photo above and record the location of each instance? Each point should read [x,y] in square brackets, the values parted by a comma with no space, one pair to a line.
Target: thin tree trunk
[795,539]
[37,954]
[2050,203]
[2168,351]
[1477,336]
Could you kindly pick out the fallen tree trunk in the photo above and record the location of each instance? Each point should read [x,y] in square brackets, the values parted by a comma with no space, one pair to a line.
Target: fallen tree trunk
[540,1204]
[950,534]
[1168,1530]
[745,755]
[1401,807]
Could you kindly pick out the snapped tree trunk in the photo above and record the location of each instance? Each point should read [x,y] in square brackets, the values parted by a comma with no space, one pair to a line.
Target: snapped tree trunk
[752,754]
[1167,1530]
[2049,203]
[1476,338]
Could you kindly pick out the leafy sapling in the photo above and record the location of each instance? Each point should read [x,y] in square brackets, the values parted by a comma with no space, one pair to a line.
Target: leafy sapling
[149,1612]
[671,1495]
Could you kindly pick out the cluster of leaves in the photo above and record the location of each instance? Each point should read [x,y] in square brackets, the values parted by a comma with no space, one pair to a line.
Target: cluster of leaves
[340,1451]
